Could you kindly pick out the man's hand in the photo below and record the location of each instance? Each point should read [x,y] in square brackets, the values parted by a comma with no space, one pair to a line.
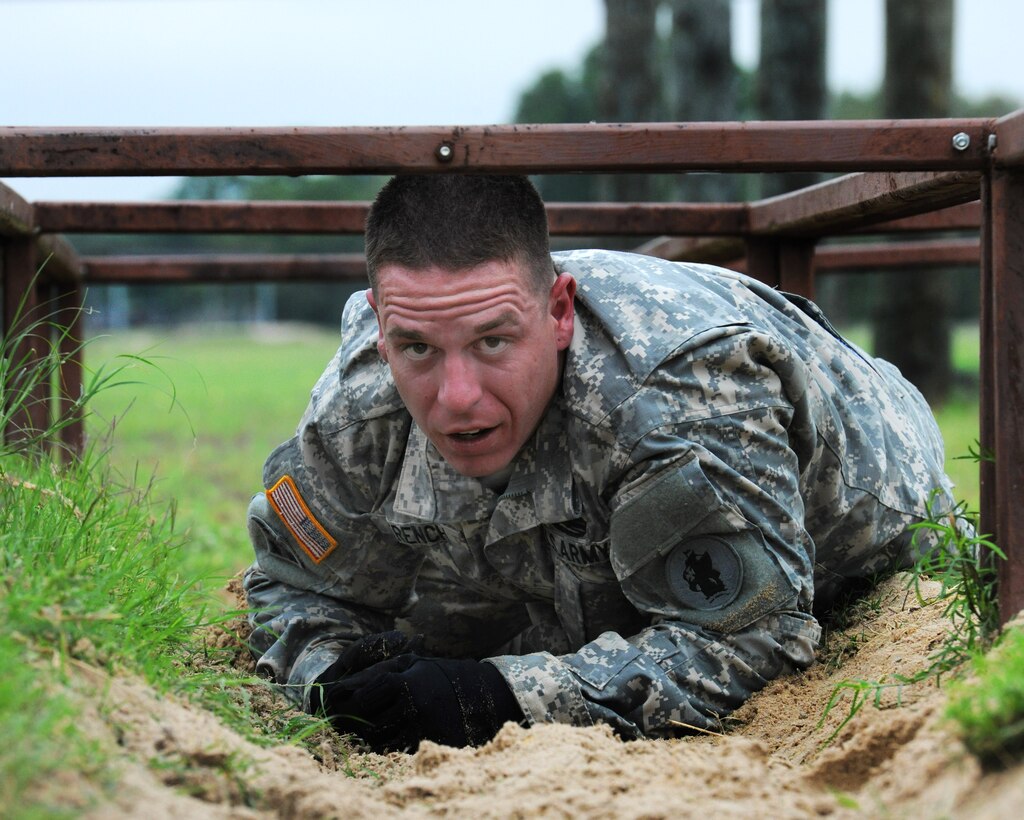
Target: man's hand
[360,655]
[396,703]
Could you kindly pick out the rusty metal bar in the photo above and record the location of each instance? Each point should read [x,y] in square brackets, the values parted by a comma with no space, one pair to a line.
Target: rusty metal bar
[647,218]
[691,249]
[769,265]
[21,309]
[165,269]
[797,266]
[889,255]
[762,260]
[987,375]
[831,207]
[200,216]
[58,260]
[858,199]
[965,217]
[1009,148]
[564,219]
[16,218]
[69,301]
[861,145]
[1007,384]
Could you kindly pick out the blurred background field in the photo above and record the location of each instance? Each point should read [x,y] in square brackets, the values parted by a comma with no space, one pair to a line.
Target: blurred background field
[215,400]
[210,406]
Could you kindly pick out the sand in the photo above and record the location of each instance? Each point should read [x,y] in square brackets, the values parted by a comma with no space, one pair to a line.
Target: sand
[899,758]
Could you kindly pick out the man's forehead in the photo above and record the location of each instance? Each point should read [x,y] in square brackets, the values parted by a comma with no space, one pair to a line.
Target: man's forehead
[398,284]
[511,268]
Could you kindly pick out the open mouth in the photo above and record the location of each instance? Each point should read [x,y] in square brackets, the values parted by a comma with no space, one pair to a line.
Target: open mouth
[472,435]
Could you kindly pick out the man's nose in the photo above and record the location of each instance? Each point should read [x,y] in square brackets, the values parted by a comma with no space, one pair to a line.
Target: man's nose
[460,387]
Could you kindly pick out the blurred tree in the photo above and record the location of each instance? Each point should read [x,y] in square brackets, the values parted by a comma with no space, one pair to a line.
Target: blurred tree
[630,89]
[702,83]
[912,322]
[558,96]
[791,75]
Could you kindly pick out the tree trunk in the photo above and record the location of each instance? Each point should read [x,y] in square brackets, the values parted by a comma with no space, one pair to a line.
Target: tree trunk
[703,84]
[630,90]
[913,320]
[791,75]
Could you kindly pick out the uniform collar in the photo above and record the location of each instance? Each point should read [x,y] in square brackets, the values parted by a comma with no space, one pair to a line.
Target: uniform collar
[539,491]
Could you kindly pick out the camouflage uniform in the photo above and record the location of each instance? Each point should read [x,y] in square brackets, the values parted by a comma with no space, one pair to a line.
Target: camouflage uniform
[715,457]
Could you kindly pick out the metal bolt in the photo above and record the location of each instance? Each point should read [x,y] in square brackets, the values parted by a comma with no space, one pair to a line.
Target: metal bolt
[961,141]
[445,151]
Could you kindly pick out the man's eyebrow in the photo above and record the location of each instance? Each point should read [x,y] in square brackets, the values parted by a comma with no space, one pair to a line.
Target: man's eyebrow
[506,318]
[404,333]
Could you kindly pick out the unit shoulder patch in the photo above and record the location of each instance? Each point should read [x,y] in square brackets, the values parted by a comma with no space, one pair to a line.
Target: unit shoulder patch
[295,515]
[704,573]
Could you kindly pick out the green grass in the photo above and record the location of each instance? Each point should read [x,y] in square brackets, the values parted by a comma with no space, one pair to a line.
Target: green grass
[988,706]
[89,571]
[94,571]
[205,420]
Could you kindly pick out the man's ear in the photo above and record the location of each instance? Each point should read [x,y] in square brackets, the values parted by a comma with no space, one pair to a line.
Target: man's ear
[381,347]
[561,306]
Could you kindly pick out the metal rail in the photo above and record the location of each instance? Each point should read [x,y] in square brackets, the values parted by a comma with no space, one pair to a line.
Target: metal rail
[909,176]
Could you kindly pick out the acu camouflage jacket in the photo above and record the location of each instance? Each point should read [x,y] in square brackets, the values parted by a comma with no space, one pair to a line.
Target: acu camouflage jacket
[715,458]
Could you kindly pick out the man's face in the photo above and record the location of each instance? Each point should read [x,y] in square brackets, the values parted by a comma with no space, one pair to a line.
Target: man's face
[474,354]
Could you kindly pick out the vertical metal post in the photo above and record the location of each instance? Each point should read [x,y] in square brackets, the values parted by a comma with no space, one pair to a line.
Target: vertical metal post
[986,394]
[21,307]
[69,317]
[785,263]
[1006,381]
[763,260]
[796,266]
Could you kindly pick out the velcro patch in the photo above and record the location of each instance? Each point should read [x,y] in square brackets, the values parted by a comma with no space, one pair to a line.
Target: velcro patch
[704,573]
[288,504]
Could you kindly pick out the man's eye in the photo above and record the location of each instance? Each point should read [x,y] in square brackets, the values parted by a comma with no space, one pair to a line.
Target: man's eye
[417,350]
[493,344]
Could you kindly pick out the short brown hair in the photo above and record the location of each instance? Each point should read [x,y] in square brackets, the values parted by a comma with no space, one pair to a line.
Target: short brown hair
[458,221]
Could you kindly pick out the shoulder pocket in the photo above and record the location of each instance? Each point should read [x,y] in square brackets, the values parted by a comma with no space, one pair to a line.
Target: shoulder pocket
[682,553]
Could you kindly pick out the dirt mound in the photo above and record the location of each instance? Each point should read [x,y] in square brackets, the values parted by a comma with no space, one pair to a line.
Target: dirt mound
[897,758]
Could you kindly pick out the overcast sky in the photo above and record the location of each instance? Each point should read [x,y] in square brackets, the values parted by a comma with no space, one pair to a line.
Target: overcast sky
[368,62]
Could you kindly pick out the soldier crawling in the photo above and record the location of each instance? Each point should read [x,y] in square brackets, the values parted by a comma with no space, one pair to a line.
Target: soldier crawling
[582,487]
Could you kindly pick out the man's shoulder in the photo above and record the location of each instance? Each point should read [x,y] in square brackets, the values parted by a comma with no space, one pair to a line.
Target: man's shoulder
[637,311]
[649,302]
[357,385]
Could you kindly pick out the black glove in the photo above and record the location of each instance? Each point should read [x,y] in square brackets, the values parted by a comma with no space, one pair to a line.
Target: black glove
[359,655]
[399,702]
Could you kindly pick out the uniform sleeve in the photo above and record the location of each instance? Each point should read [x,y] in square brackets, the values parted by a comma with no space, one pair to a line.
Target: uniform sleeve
[304,614]
[326,571]
[706,541]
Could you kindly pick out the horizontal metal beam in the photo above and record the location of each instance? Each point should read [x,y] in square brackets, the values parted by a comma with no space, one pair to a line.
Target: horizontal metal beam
[859,199]
[965,217]
[898,255]
[202,217]
[166,269]
[350,267]
[646,219]
[825,208]
[196,216]
[16,216]
[691,249]
[824,145]
[58,260]
[855,202]
[1009,131]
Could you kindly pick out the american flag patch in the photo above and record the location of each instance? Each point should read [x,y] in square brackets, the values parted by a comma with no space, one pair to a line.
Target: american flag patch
[288,504]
